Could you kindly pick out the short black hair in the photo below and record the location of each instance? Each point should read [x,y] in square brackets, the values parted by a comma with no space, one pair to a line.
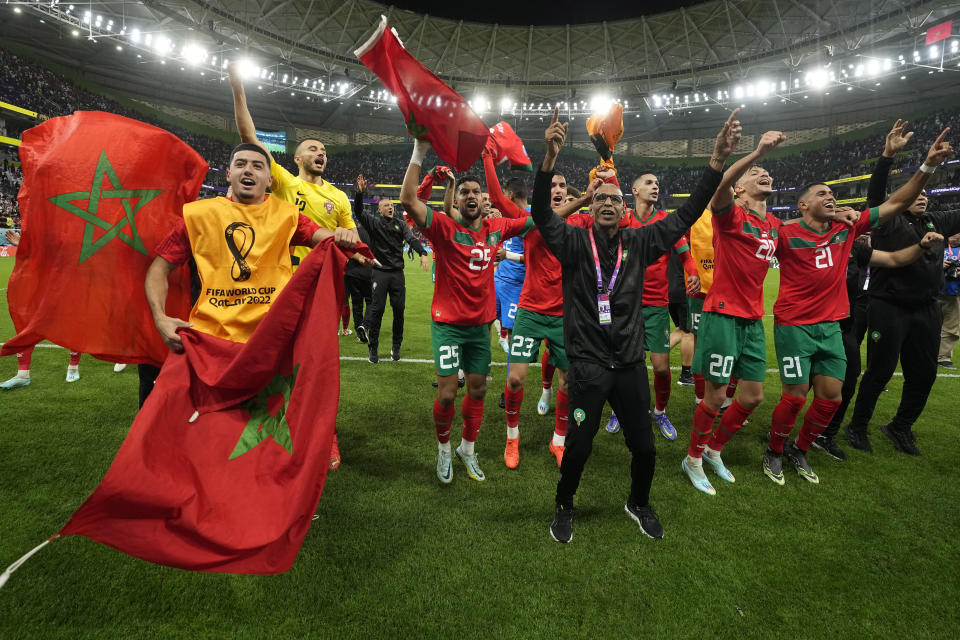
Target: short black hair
[804,190]
[516,186]
[301,141]
[573,191]
[641,174]
[249,146]
[468,178]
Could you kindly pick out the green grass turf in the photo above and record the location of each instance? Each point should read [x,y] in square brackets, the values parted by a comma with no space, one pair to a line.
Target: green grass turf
[870,552]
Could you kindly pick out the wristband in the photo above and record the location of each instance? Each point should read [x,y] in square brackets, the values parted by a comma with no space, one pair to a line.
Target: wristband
[925,168]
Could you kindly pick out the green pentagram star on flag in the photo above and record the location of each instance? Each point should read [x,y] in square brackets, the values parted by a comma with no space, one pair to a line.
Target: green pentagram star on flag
[132,200]
[262,425]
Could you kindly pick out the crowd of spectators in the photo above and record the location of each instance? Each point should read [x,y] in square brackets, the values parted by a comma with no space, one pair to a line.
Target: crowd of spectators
[10,179]
[37,88]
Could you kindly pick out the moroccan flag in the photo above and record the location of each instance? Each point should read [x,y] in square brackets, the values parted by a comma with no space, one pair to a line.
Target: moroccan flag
[235,490]
[939,32]
[432,110]
[99,192]
[506,146]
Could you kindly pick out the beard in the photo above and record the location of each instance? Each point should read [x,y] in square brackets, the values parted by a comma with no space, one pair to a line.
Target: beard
[312,169]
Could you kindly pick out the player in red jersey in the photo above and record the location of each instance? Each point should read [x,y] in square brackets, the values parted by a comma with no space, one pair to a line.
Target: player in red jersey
[464,304]
[730,339]
[813,255]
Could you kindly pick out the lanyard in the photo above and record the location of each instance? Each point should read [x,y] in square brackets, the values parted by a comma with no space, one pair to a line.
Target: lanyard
[596,259]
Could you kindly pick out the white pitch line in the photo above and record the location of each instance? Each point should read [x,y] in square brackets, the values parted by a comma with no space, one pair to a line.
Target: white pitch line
[498,364]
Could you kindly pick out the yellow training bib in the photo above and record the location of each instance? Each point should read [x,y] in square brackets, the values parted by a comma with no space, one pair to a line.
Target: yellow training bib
[243,259]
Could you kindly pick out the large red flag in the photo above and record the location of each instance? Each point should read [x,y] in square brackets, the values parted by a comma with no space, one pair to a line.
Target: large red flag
[99,192]
[235,490]
[432,110]
[939,32]
[506,146]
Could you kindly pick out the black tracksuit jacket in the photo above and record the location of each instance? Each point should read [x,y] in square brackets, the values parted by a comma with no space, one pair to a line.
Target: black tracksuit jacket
[387,236]
[620,344]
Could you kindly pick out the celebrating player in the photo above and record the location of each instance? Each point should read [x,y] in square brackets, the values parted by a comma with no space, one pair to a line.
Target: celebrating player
[463,304]
[730,338]
[813,255]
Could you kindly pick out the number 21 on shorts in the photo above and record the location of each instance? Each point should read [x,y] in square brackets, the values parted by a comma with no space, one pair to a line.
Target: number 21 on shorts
[791,367]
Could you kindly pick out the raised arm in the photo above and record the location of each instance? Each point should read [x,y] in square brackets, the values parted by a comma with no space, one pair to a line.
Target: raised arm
[903,257]
[504,205]
[903,197]
[895,141]
[569,208]
[241,114]
[768,142]
[156,287]
[411,181]
[559,236]
[449,191]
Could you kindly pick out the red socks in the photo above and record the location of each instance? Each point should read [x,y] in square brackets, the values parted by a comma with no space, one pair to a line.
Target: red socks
[699,386]
[442,417]
[703,419]
[732,386]
[511,402]
[784,417]
[661,389]
[560,425]
[74,358]
[472,412]
[23,359]
[731,422]
[546,370]
[815,421]
[345,315]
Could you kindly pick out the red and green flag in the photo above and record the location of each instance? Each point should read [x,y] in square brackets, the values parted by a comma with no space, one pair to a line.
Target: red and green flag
[99,193]
[506,146]
[224,465]
[432,110]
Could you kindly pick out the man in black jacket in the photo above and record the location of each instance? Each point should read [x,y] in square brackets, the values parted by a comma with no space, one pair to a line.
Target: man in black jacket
[603,269]
[904,318]
[387,236]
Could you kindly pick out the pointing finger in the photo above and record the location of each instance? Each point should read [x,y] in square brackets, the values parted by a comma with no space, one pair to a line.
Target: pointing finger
[556,115]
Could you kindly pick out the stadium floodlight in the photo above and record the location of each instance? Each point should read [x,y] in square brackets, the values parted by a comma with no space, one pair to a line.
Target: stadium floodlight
[600,103]
[135,36]
[162,45]
[887,64]
[934,52]
[284,80]
[818,78]
[738,92]
[873,67]
[955,45]
[194,54]
[86,17]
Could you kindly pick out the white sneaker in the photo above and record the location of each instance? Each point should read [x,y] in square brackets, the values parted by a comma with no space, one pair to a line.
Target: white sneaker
[504,344]
[543,404]
[117,368]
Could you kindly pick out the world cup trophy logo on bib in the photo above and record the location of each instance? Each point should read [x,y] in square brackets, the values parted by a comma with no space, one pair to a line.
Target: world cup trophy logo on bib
[240,271]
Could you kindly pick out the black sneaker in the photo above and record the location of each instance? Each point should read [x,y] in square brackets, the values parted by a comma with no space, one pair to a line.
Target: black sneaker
[799,460]
[686,379]
[503,401]
[857,439]
[646,518]
[435,384]
[903,441]
[773,466]
[561,529]
[361,333]
[829,447]
[395,354]
[373,357]
[461,383]
[946,364]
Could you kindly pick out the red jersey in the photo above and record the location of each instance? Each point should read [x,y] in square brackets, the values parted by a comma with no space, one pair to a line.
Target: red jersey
[813,267]
[543,283]
[744,243]
[655,287]
[463,292]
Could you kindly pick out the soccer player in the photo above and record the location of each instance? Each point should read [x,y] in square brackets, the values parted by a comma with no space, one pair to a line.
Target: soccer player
[317,199]
[813,255]
[603,268]
[904,318]
[387,236]
[730,337]
[463,305]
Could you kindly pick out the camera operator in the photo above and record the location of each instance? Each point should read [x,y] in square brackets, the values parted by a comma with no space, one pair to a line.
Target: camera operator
[950,302]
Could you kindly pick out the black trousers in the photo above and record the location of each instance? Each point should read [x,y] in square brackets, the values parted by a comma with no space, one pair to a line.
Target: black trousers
[910,335]
[854,330]
[148,376]
[590,387]
[358,290]
[383,283]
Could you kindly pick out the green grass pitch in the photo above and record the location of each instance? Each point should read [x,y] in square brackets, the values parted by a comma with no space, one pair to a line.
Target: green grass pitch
[870,552]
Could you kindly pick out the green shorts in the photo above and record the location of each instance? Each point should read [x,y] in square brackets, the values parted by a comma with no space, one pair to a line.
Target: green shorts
[529,330]
[730,346]
[656,329]
[695,307]
[460,347]
[806,350]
